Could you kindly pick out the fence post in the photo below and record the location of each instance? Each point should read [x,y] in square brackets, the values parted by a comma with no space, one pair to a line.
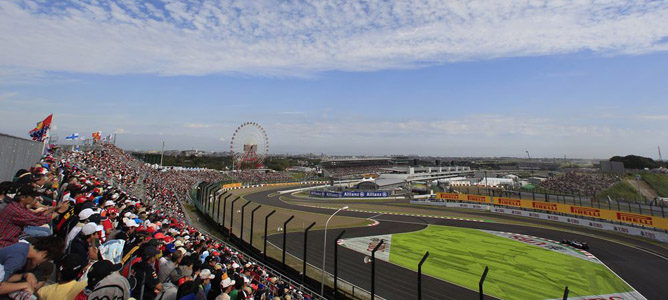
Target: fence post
[304,257]
[373,270]
[482,280]
[565,293]
[336,261]
[252,223]
[266,221]
[232,215]
[285,236]
[218,211]
[225,208]
[241,234]
[419,279]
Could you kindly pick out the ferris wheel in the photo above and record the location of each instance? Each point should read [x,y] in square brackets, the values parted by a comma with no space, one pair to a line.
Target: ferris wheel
[249,146]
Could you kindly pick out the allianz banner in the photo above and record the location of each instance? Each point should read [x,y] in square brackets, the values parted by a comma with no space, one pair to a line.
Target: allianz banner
[350,194]
[355,194]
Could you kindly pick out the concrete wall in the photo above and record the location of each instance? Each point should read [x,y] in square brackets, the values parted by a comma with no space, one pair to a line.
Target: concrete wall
[17,153]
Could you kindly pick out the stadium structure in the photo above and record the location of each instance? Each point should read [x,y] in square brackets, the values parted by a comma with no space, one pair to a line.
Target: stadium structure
[378,238]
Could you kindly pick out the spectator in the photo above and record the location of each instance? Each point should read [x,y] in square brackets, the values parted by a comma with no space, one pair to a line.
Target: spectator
[16,216]
[86,242]
[67,286]
[226,285]
[145,275]
[25,254]
[167,266]
[104,282]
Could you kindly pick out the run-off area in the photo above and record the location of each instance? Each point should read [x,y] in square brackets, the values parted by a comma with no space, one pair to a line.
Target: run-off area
[519,268]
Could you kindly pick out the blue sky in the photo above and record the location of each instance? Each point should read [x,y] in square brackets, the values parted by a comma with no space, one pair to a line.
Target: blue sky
[470,78]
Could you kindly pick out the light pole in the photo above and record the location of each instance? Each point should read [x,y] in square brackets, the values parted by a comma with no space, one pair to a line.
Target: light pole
[324,251]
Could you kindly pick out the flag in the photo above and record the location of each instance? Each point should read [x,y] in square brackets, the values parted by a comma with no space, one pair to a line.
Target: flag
[73,137]
[97,135]
[40,132]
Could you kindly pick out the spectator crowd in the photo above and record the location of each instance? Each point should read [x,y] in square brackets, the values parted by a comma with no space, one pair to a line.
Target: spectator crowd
[579,183]
[102,225]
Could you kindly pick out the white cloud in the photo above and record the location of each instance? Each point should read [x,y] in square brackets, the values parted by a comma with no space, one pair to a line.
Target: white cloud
[222,139]
[196,125]
[7,95]
[120,131]
[653,117]
[302,37]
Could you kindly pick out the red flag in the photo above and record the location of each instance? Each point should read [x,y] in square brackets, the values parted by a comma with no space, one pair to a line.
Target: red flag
[39,133]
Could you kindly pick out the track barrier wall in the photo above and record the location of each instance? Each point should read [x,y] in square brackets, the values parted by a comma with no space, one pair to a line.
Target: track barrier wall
[568,209]
[17,153]
[204,197]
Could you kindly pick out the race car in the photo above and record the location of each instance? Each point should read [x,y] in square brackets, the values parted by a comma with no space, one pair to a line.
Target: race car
[576,244]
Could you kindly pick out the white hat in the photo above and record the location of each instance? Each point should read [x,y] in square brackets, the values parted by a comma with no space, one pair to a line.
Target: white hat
[131,223]
[206,274]
[178,243]
[227,282]
[109,203]
[235,265]
[86,213]
[114,196]
[183,250]
[89,228]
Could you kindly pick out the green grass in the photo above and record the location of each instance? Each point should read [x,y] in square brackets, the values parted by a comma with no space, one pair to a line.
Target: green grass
[659,182]
[516,270]
[621,191]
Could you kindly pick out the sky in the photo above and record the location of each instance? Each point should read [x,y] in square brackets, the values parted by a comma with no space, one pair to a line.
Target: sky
[582,79]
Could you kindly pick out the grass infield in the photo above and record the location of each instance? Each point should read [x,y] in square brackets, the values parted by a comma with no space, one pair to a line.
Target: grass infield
[516,270]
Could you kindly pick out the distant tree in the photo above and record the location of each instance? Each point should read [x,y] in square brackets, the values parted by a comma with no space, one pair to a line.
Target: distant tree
[637,162]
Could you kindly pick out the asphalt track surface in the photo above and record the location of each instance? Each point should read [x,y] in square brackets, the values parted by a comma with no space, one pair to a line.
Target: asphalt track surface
[644,266]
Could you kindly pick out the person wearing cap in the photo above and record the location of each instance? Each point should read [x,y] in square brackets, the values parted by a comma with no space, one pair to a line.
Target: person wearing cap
[226,285]
[67,286]
[86,242]
[84,216]
[104,282]
[203,281]
[237,292]
[22,255]
[16,216]
[144,273]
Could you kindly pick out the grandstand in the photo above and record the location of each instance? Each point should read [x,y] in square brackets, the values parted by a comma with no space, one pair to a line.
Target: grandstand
[83,212]
[346,168]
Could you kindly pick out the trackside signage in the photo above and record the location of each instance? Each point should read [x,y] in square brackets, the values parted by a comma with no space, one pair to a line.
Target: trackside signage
[586,211]
[634,218]
[606,214]
[647,233]
[350,194]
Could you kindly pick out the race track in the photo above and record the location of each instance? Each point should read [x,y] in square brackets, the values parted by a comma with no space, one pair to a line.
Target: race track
[644,265]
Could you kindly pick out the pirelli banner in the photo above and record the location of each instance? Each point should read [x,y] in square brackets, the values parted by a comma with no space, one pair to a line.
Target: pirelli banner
[599,213]
[464,197]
